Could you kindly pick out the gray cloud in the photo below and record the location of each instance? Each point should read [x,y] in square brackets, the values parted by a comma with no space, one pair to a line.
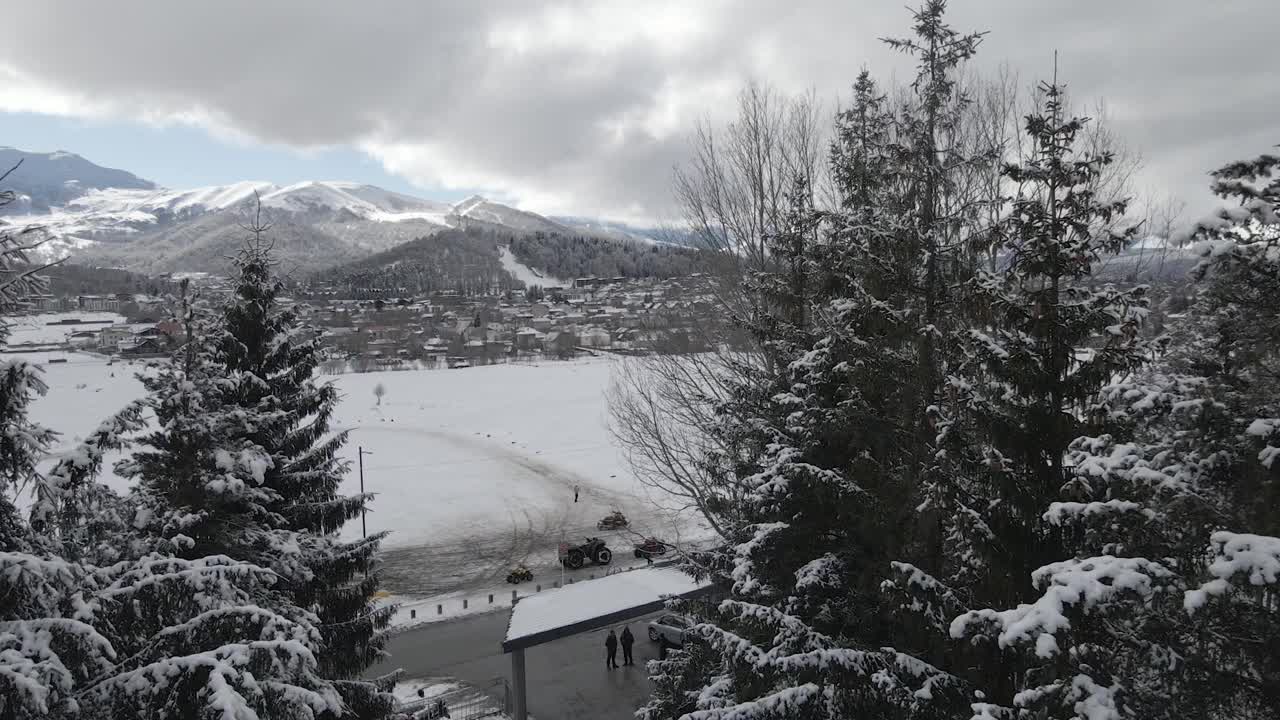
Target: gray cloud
[585,106]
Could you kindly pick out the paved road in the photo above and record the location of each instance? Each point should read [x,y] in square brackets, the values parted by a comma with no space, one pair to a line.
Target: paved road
[567,679]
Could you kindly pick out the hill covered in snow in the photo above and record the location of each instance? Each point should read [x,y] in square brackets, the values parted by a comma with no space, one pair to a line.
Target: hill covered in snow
[101,216]
[43,181]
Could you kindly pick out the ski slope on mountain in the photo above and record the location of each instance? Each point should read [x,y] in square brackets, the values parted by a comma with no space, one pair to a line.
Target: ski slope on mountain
[526,274]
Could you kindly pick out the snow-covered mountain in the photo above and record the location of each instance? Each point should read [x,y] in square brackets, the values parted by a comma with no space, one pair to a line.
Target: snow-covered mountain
[113,209]
[106,216]
[478,209]
[46,180]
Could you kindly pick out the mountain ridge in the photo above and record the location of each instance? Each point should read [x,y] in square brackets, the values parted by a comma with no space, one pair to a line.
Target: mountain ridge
[109,216]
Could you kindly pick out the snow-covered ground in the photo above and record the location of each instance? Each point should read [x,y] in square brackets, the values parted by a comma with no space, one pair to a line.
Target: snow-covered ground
[474,469]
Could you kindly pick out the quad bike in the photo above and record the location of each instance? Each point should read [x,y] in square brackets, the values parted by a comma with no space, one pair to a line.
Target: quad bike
[651,547]
[519,574]
[575,556]
[613,521]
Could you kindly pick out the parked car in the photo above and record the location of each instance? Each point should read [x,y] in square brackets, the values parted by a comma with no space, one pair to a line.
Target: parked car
[671,627]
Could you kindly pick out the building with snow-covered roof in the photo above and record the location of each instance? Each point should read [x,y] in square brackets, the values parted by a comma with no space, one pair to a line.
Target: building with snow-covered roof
[586,606]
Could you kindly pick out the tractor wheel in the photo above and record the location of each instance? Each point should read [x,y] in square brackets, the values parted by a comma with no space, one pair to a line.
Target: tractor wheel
[575,559]
[653,635]
[604,557]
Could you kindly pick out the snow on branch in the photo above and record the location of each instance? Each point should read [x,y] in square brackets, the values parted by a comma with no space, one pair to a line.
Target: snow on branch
[1238,557]
[1060,513]
[788,702]
[1088,585]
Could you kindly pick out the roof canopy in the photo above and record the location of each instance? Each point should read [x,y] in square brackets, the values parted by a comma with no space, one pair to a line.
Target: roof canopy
[594,604]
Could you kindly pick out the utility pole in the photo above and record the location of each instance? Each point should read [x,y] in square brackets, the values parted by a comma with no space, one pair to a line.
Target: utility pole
[361,452]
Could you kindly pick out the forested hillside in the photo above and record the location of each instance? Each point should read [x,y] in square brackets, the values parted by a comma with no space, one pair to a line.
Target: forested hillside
[466,261]
[577,256]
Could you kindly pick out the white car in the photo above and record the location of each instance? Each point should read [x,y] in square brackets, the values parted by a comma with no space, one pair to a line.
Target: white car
[671,627]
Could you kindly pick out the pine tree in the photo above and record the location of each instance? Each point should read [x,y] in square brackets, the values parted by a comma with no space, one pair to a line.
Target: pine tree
[1017,400]
[270,366]
[103,632]
[75,517]
[804,632]
[940,232]
[155,635]
[200,478]
[1168,610]
[830,441]
[23,443]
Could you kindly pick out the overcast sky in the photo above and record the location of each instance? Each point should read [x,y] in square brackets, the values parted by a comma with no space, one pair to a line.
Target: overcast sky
[575,107]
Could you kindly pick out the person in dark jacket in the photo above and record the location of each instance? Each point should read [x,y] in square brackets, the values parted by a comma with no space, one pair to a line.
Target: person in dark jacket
[611,651]
[627,641]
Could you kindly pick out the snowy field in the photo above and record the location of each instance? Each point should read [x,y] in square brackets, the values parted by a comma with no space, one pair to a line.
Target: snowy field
[474,469]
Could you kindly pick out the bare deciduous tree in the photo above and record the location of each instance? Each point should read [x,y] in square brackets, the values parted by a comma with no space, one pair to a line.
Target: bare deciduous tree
[734,190]
[660,406]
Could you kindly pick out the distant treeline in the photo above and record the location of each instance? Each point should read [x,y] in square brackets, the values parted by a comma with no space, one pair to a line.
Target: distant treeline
[67,279]
[575,256]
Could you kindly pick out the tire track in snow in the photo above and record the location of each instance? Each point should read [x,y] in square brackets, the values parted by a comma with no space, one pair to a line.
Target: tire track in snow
[483,557]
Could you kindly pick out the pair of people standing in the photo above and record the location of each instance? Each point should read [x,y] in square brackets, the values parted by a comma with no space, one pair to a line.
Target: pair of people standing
[611,648]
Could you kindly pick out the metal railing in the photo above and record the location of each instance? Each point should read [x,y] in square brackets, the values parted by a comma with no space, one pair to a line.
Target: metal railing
[464,703]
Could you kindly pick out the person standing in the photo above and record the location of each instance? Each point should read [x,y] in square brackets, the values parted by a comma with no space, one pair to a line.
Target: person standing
[627,641]
[611,651]
[575,493]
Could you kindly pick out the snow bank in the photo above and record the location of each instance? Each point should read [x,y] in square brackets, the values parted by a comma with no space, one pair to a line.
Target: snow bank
[584,601]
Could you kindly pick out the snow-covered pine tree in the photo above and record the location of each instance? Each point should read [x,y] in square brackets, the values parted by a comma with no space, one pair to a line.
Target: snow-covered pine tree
[156,637]
[1017,399]
[153,636]
[200,480]
[803,632]
[941,233]
[23,443]
[1170,609]
[77,518]
[269,362]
